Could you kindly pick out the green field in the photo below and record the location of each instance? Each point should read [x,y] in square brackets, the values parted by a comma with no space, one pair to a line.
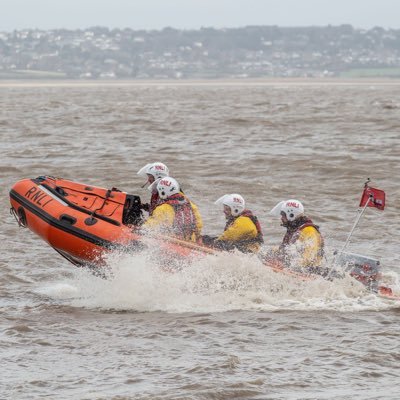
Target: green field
[26,74]
[371,73]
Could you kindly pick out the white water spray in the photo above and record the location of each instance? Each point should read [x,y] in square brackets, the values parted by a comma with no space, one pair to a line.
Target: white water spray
[214,283]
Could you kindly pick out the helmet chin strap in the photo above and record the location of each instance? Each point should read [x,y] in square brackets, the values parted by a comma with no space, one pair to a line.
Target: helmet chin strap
[144,184]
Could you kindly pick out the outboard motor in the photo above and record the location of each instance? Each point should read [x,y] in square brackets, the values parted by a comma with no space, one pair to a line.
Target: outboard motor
[364,269]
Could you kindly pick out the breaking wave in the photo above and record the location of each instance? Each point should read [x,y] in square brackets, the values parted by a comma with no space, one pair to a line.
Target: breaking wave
[215,283]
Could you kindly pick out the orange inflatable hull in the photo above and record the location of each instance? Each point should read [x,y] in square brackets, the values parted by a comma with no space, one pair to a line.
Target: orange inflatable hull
[82,222]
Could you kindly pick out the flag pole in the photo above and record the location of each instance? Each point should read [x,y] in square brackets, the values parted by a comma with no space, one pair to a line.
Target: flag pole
[337,255]
[354,227]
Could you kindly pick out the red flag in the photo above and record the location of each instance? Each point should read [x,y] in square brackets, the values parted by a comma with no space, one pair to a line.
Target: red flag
[376,198]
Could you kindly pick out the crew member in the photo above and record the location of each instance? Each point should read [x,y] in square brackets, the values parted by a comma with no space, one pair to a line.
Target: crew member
[174,214]
[302,244]
[242,230]
[154,172]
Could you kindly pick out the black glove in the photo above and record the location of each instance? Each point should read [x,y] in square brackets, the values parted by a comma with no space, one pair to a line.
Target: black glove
[208,240]
[145,207]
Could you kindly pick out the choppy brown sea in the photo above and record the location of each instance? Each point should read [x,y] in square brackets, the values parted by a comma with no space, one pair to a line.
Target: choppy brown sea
[227,327]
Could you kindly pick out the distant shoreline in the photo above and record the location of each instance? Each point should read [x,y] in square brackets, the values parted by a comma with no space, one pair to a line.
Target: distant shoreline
[199,82]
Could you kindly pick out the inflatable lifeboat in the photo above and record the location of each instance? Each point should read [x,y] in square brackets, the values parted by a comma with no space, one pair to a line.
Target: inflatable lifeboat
[82,222]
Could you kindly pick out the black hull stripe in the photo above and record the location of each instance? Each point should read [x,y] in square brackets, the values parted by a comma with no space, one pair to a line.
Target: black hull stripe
[81,234]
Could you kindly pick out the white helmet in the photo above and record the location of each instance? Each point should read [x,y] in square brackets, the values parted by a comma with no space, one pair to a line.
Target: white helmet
[234,201]
[292,209]
[167,187]
[157,169]
[153,186]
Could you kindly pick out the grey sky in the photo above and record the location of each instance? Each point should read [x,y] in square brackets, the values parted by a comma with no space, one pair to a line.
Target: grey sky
[187,14]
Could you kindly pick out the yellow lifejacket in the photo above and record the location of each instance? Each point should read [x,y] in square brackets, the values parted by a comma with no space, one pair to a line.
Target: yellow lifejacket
[307,241]
[243,232]
[175,216]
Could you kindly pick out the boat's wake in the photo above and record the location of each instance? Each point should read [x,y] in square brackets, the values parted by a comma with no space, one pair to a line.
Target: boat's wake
[214,283]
